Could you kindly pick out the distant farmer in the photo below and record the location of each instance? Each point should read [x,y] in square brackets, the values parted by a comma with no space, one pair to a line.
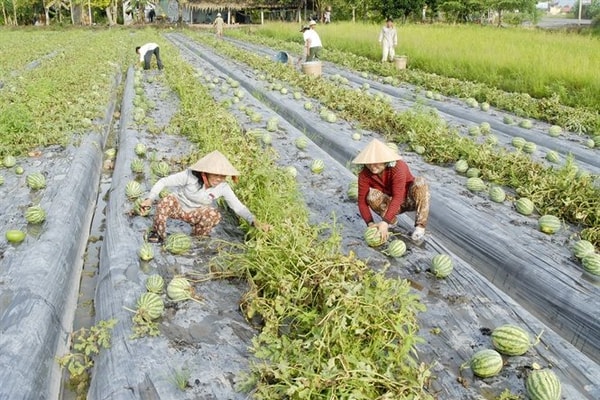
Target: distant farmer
[194,192]
[312,41]
[152,15]
[388,39]
[386,186]
[146,52]
[218,24]
[327,16]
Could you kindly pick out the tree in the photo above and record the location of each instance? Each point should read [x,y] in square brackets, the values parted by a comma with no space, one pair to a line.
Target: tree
[404,8]
[500,6]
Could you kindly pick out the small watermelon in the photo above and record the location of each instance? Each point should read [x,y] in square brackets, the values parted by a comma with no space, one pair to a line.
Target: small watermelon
[461,166]
[543,384]
[497,194]
[160,169]
[180,289]
[419,149]
[590,143]
[137,166]
[140,149]
[291,170]
[155,284]
[549,224]
[518,142]
[508,120]
[486,363]
[529,147]
[133,190]
[524,206]
[526,124]
[19,170]
[582,248]
[474,130]
[441,265]
[272,124]
[146,252]
[1,180]
[9,161]
[308,106]
[36,181]
[473,172]
[552,156]
[297,95]
[356,136]
[35,215]
[331,117]
[267,139]
[555,130]
[485,128]
[317,166]
[178,243]
[492,140]
[373,237]
[475,184]
[396,248]
[591,263]
[110,153]
[352,191]
[15,236]
[511,340]
[301,142]
[150,306]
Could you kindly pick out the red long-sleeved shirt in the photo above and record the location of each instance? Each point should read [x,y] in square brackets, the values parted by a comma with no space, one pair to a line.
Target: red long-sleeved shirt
[394,181]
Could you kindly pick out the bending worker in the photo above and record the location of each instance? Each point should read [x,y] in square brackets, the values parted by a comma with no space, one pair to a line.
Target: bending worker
[386,186]
[312,41]
[146,52]
[195,191]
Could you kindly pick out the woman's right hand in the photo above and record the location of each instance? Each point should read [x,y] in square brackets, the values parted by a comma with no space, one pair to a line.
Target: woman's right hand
[146,203]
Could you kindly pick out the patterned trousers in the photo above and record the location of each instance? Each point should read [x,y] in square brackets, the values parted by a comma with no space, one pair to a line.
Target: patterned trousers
[202,219]
[417,200]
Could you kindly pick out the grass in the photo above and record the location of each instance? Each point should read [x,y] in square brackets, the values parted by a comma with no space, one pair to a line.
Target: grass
[512,59]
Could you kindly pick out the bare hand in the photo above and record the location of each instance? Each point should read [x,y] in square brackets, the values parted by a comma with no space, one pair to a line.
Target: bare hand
[382,227]
[146,204]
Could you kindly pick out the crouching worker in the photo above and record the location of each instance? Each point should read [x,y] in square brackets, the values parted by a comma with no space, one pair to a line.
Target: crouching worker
[386,186]
[146,52]
[194,192]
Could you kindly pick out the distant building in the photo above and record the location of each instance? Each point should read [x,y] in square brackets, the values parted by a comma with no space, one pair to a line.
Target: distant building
[543,6]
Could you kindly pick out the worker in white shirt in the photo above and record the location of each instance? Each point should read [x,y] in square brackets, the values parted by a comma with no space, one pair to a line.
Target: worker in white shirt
[312,41]
[146,52]
[388,39]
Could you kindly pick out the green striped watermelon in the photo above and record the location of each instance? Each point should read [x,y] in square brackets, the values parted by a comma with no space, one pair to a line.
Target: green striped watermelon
[178,243]
[150,306]
[137,166]
[549,224]
[441,265]
[485,106]
[356,136]
[518,142]
[9,161]
[527,124]
[486,363]
[552,156]
[543,384]
[508,120]
[474,130]
[475,184]
[524,206]
[291,170]
[373,237]
[591,263]
[36,181]
[555,130]
[492,140]
[317,166]
[419,149]
[272,124]
[146,252]
[140,149]
[473,172]
[461,166]
[485,128]
[35,215]
[582,248]
[301,142]
[160,169]
[267,138]
[352,191]
[133,190]
[155,283]
[497,194]
[529,147]
[396,248]
[511,340]
[180,289]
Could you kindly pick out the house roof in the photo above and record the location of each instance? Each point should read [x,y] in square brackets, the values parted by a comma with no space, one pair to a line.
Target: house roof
[225,4]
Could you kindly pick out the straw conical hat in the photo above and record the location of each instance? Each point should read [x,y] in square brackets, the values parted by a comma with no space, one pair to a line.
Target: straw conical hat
[376,152]
[215,163]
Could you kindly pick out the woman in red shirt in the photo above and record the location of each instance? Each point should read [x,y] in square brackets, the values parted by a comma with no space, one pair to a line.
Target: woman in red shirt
[386,186]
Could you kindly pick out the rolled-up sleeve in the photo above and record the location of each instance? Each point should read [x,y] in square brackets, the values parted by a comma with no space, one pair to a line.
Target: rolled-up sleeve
[178,179]
[235,204]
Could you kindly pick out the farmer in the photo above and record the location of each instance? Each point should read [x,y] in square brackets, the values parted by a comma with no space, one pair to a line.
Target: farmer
[388,39]
[218,24]
[312,41]
[146,52]
[195,191]
[386,186]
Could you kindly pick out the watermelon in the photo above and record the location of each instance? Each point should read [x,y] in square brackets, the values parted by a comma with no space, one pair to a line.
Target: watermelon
[497,194]
[492,140]
[471,102]
[146,252]
[35,215]
[396,248]
[164,193]
[133,190]
[543,384]
[36,181]
[255,117]
[283,90]
[301,142]
[441,265]
[419,149]
[508,120]
[518,142]
[239,94]
[526,124]
[555,130]
[155,284]
[308,106]
[582,248]
[590,143]
[393,146]
[591,263]
[267,138]
[160,169]
[485,128]
[1,180]
[19,170]
[331,117]
[484,106]
[9,161]
[473,172]
[150,306]
[511,340]
[475,184]
[272,124]
[140,149]
[373,237]
[291,170]
[110,153]
[552,156]
[137,166]
[429,94]
[15,236]
[178,243]
[529,147]
[486,363]
[365,86]
[180,289]
[317,166]
[356,136]
[474,130]
[549,224]
[461,166]
[524,206]
[297,95]
[352,191]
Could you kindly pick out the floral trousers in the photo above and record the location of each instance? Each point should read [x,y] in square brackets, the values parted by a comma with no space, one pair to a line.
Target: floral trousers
[202,219]
[417,200]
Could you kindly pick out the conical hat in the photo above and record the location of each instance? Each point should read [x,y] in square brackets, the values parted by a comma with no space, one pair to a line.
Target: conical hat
[376,152]
[215,163]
